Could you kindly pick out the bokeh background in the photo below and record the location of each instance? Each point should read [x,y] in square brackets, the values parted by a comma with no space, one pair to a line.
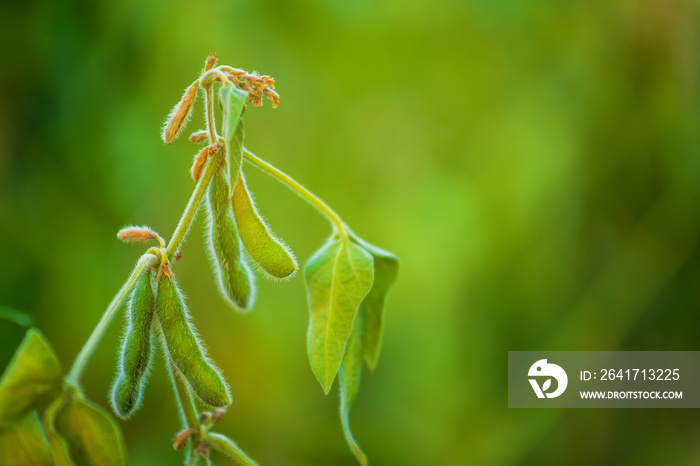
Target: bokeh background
[534,164]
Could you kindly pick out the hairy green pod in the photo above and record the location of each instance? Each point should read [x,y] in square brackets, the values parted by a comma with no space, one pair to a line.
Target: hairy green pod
[233,275]
[136,350]
[269,253]
[183,347]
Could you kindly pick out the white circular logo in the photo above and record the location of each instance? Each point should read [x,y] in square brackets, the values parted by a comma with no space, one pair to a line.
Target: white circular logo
[542,369]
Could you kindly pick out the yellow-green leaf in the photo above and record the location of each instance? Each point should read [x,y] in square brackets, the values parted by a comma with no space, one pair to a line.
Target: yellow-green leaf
[32,379]
[232,103]
[270,254]
[338,277]
[386,269]
[92,436]
[61,454]
[23,443]
[350,372]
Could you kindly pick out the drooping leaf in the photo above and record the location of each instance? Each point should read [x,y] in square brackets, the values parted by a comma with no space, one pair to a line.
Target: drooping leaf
[32,379]
[273,257]
[232,102]
[90,433]
[350,372]
[183,347]
[135,355]
[338,277]
[386,269]
[59,447]
[23,443]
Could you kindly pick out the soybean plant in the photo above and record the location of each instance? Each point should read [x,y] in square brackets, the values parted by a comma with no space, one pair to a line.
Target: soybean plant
[347,281]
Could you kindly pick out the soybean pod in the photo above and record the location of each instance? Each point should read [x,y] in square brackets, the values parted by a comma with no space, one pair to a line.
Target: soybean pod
[269,253]
[183,347]
[232,273]
[136,350]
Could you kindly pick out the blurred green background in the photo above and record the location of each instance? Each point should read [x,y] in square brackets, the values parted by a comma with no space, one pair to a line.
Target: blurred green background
[534,164]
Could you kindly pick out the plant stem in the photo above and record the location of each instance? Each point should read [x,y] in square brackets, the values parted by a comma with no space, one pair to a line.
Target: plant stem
[145,262]
[193,205]
[209,105]
[184,398]
[187,409]
[226,445]
[308,196]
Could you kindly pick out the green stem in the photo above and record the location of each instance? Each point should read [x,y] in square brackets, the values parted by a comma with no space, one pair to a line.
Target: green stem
[227,446]
[193,205]
[145,262]
[188,411]
[184,398]
[209,105]
[308,196]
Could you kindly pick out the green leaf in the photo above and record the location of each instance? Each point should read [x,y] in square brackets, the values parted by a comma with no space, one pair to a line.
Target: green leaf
[350,372]
[61,454]
[13,315]
[338,277]
[91,434]
[386,269]
[24,444]
[232,103]
[32,379]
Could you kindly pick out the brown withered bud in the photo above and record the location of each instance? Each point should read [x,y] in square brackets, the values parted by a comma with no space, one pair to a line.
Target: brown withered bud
[178,255]
[246,87]
[214,148]
[164,269]
[135,234]
[218,414]
[211,61]
[181,438]
[273,96]
[180,114]
[198,163]
[199,136]
[256,100]
[269,81]
[203,450]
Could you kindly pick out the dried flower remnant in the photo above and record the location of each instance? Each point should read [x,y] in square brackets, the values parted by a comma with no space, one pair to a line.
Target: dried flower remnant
[134,234]
[180,114]
[198,163]
[182,437]
[199,136]
[209,64]
[254,84]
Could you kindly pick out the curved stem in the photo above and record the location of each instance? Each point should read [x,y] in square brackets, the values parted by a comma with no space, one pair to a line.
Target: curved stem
[209,105]
[145,262]
[193,205]
[308,196]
